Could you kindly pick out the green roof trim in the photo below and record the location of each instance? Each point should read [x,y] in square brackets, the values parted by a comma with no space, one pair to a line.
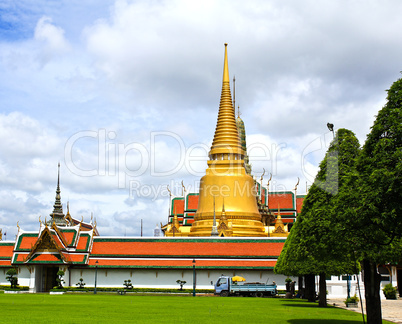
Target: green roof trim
[7,243]
[20,240]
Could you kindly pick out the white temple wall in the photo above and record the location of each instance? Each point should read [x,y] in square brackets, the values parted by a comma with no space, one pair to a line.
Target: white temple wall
[166,278]
[3,280]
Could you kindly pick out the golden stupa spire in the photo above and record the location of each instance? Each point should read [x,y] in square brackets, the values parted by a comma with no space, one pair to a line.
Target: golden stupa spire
[226,144]
[226,177]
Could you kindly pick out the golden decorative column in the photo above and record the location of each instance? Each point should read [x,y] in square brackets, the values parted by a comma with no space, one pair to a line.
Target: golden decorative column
[226,178]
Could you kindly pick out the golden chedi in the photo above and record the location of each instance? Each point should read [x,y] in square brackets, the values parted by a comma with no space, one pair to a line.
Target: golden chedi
[226,180]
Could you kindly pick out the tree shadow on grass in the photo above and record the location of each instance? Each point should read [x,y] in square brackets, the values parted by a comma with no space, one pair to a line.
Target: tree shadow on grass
[298,303]
[322,321]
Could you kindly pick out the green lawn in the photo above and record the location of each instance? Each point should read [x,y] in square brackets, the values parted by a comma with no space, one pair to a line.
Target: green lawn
[102,308]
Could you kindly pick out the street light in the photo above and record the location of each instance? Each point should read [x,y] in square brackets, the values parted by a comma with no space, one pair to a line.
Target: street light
[193,277]
[331,129]
[96,274]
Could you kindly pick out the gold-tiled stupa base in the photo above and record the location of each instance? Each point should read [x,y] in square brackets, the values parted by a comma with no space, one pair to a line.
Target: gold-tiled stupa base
[240,227]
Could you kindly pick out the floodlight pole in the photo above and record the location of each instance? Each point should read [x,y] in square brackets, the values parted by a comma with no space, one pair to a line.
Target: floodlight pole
[331,129]
[193,277]
[96,275]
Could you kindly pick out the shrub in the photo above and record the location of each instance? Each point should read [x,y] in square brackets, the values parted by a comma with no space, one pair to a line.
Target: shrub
[181,283]
[59,279]
[81,283]
[353,299]
[127,284]
[389,291]
[10,277]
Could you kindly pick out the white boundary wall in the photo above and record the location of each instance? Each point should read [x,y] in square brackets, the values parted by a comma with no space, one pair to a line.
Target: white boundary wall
[166,278]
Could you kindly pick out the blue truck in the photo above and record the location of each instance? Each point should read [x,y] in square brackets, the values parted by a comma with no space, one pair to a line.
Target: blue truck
[225,286]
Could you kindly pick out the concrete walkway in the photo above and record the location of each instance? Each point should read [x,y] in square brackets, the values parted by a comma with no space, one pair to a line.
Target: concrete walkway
[391,309]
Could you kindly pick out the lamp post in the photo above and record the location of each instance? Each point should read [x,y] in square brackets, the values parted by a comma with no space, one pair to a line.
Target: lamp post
[96,274]
[193,277]
[331,129]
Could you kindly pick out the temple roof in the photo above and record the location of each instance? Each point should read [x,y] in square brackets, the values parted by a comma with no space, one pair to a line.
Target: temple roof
[121,252]
[53,245]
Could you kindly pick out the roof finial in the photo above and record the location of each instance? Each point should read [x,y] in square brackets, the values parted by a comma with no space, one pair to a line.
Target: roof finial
[214,231]
[226,66]
[183,189]
[58,207]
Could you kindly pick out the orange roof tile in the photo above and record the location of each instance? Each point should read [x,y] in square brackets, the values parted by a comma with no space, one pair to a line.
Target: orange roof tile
[5,263]
[200,263]
[19,257]
[45,258]
[83,242]
[299,203]
[6,250]
[186,248]
[77,258]
[283,199]
[26,241]
[70,236]
[192,201]
[177,206]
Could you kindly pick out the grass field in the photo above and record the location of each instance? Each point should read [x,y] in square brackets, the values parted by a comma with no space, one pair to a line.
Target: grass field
[107,308]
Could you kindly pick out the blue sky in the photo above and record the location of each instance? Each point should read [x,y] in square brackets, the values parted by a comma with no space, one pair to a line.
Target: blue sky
[125,95]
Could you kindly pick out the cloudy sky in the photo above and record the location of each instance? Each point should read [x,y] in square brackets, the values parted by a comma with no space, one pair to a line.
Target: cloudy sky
[125,95]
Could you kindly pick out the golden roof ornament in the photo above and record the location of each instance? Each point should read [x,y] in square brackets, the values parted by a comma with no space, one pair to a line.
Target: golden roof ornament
[214,231]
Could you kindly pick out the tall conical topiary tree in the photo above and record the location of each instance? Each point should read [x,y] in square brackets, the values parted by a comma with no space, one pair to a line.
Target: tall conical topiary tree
[371,203]
[315,245]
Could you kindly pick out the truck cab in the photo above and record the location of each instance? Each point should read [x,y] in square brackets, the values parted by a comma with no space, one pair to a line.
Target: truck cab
[222,286]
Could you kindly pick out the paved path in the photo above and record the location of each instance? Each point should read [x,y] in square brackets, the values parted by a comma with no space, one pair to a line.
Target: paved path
[391,309]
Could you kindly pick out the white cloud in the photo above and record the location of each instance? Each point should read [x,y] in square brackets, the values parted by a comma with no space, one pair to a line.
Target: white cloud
[137,67]
[51,38]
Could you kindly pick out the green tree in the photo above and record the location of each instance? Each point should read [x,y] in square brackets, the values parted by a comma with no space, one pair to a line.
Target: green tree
[181,283]
[315,245]
[10,277]
[59,279]
[370,204]
[127,284]
[81,283]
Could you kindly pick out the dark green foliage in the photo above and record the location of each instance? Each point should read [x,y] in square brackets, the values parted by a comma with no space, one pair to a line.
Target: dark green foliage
[316,242]
[389,291]
[127,284]
[353,299]
[59,279]
[372,202]
[181,283]
[81,283]
[134,290]
[10,277]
